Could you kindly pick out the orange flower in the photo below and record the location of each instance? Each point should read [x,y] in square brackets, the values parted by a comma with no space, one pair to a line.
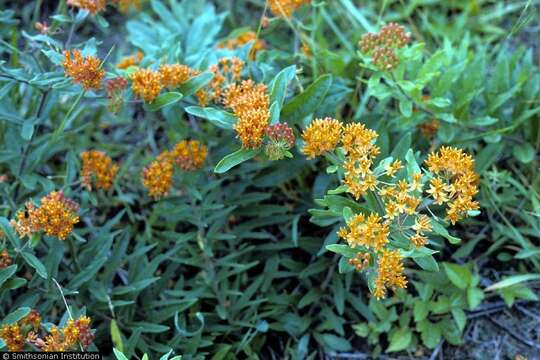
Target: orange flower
[286,8]
[189,155]
[13,337]
[390,273]
[146,84]
[250,103]
[100,167]
[174,75]
[371,232]
[242,39]
[131,60]
[93,6]
[5,259]
[83,70]
[320,136]
[157,177]
[56,216]
[358,140]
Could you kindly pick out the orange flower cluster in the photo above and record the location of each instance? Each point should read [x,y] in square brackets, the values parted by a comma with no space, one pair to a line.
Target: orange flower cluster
[125,5]
[226,72]
[454,182]
[18,334]
[251,105]
[56,216]
[321,136]
[382,46]
[188,155]
[175,74]
[132,60]
[99,167]
[74,333]
[93,6]
[360,261]
[146,84]
[371,232]
[157,177]
[242,39]
[84,70]
[390,273]
[399,195]
[286,8]
[5,259]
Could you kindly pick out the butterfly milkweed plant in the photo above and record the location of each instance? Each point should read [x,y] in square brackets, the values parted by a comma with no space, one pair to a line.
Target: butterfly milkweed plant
[270,179]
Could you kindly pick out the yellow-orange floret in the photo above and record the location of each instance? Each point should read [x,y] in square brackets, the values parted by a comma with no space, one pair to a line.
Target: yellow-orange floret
[84,70]
[321,136]
[157,177]
[146,84]
[99,167]
[390,273]
[250,103]
[189,155]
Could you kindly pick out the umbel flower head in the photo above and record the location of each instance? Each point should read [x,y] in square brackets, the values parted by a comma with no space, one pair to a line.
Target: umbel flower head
[281,139]
[75,332]
[226,72]
[131,60]
[146,84]
[250,103]
[157,177]
[98,168]
[321,136]
[5,259]
[189,155]
[115,93]
[390,273]
[175,74]
[454,181]
[286,8]
[382,46]
[92,6]
[84,70]
[55,216]
[242,39]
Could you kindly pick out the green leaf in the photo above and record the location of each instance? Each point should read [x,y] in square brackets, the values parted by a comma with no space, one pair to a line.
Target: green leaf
[165,99]
[16,315]
[513,280]
[405,107]
[35,263]
[474,297]
[116,336]
[342,249]
[441,230]
[219,118]
[431,335]
[119,355]
[420,310]
[8,230]
[400,340]
[196,83]
[524,152]
[7,273]
[427,263]
[460,318]
[278,85]
[308,101]
[236,158]
[459,275]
